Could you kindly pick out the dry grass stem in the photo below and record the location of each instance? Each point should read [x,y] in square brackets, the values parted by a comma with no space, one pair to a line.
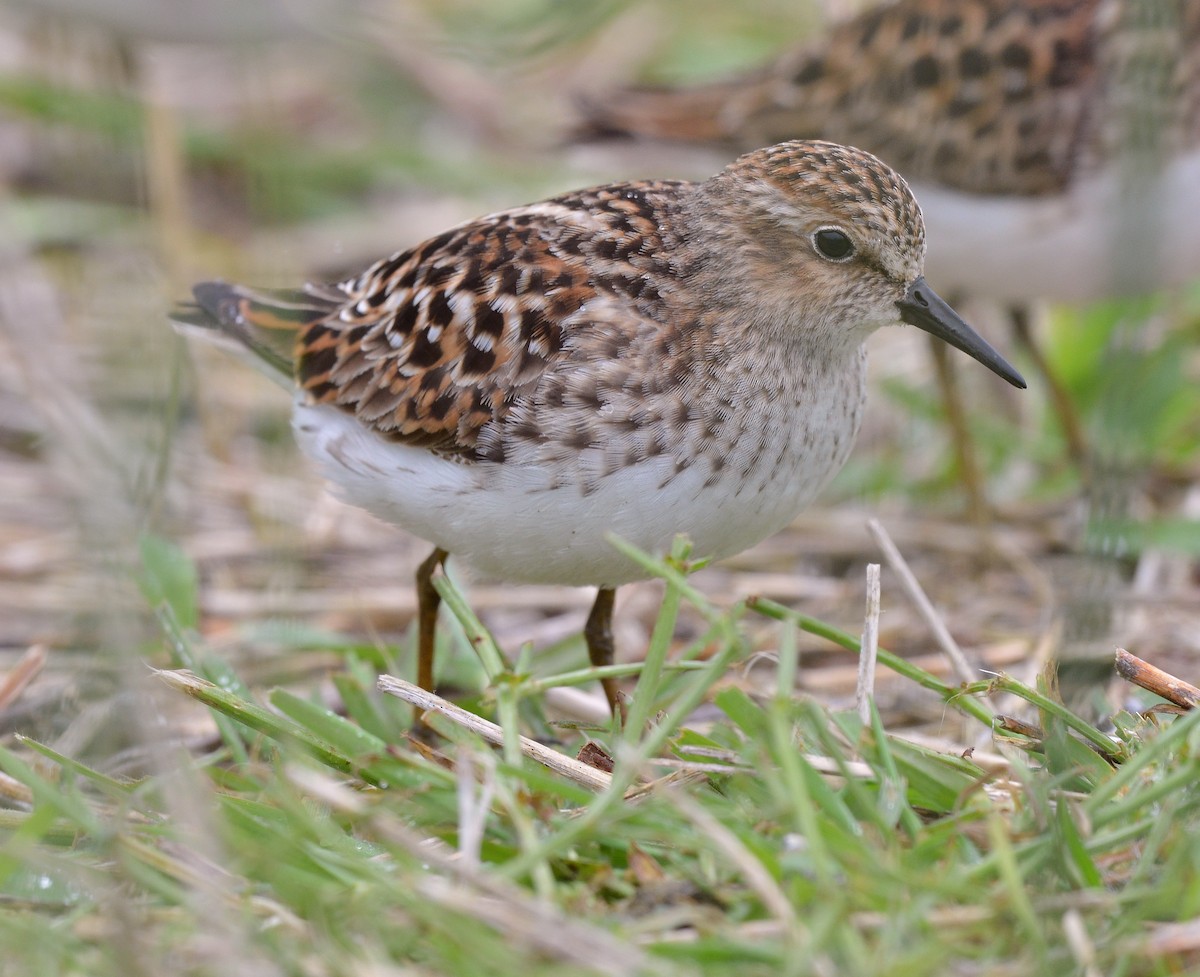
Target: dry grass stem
[1152,679]
[822,764]
[14,790]
[1169,939]
[563,765]
[865,690]
[924,606]
[27,668]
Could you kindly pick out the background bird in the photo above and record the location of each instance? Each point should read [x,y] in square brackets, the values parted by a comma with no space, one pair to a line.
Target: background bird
[1055,148]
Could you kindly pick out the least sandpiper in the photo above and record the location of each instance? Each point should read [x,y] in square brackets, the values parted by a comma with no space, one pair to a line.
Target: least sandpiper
[643,359]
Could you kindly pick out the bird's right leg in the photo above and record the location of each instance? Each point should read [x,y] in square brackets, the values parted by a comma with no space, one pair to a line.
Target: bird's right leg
[597,633]
[428,600]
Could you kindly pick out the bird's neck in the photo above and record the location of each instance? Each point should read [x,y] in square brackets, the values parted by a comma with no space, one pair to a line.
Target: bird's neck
[752,277]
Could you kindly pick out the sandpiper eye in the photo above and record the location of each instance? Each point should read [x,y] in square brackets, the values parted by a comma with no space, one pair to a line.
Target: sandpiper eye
[833,244]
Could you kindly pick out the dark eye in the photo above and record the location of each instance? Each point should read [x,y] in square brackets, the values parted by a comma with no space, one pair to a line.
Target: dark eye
[833,244]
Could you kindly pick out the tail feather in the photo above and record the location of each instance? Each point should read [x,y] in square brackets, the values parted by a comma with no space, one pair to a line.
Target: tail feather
[256,325]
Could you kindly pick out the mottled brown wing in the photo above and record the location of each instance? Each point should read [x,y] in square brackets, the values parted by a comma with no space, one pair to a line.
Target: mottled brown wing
[432,344]
[921,83]
[927,82]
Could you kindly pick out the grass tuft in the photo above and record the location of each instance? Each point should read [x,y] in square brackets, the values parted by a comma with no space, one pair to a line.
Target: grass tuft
[782,837]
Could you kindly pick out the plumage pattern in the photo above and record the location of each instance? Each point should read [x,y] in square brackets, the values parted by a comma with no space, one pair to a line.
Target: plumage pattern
[434,344]
[640,358]
[996,97]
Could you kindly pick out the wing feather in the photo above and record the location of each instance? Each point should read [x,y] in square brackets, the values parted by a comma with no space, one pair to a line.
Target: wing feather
[433,344]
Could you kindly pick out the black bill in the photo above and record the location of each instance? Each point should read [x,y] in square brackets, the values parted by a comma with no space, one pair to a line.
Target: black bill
[924,308]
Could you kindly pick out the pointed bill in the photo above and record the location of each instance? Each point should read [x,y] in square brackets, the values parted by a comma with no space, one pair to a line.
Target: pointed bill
[924,308]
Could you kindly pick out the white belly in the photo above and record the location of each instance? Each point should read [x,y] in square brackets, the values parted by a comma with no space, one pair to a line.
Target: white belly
[527,524]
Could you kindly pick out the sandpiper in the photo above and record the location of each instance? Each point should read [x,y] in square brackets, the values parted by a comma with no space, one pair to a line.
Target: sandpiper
[644,359]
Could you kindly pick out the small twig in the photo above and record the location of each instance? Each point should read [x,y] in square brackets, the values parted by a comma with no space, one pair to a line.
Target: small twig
[1037,737]
[28,666]
[1152,679]
[923,605]
[567,766]
[1167,939]
[14,790]
[1011,724]
[865,692]
[821,764]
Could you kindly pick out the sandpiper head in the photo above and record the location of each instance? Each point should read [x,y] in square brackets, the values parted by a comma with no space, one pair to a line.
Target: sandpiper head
[848,227]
